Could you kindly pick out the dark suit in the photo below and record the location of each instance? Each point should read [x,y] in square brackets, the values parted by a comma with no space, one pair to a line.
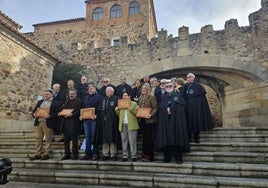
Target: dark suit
[54,110]
[70,126]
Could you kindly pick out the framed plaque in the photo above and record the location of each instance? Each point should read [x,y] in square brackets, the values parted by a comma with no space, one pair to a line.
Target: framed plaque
[42,112]
[143,112]
[65,112]
[87,113]
[124,103]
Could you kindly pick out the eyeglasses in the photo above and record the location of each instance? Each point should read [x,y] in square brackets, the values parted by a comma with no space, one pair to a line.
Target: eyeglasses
[105,81]
[169,86]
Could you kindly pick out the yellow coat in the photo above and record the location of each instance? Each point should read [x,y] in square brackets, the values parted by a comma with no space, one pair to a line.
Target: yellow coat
[131,117]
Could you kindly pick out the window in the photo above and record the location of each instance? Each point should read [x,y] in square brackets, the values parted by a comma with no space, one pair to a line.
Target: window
[116,42]
[97,14]
[134,8]
[116,11]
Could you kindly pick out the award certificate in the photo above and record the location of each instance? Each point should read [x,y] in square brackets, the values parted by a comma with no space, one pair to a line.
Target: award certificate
[42,112]
[143,112]
[65,112]
[87,113]
[123,103]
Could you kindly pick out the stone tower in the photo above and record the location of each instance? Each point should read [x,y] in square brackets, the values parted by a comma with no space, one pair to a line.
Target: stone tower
[122,14]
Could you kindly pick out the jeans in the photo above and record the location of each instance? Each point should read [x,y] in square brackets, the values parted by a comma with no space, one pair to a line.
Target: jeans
[89,128]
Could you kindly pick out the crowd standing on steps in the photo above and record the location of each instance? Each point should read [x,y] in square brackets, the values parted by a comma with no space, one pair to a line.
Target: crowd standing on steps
[175,110]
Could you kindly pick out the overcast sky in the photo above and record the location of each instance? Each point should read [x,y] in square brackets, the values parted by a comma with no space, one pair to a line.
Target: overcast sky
[170,14]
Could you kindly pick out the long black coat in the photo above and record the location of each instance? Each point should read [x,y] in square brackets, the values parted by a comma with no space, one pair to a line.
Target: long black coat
[53,112]
[171,129]
[107,122]
[199,117]
[73,123]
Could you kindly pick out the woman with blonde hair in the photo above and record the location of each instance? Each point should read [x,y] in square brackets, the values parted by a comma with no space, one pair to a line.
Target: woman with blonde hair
[147,124]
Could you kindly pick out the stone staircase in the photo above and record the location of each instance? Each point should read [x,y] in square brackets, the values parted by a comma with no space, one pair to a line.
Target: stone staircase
[236,157]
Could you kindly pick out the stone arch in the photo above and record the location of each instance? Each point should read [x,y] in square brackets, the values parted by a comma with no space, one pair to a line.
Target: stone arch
[219,72]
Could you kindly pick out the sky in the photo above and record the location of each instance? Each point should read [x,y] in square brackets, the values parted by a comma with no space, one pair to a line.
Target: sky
[170,14]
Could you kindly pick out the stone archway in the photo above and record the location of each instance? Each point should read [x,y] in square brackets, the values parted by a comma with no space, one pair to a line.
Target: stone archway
[229,78]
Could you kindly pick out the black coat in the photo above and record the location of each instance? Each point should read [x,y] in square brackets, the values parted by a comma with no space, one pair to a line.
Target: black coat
[122,88]
[107,122]
[72,121]
[54,110]
[171,129]
[198,113]
[102,92]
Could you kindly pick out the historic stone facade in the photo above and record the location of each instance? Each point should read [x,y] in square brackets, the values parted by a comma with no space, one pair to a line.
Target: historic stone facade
[25,71]
[233,62]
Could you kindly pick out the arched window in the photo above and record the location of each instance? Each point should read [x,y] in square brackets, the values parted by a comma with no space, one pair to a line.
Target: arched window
[134,8]
[116,11]
[97,14]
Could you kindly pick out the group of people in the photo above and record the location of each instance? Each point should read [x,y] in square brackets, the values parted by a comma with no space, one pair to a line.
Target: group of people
[175,110]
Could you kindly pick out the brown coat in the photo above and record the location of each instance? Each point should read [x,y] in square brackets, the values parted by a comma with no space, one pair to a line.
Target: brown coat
[149,102]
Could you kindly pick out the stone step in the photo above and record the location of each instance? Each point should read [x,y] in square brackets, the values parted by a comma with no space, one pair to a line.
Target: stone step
[234,138]
[14,184]
[195,156]
[203,146]
[191,168]
[132,179]
[237,131]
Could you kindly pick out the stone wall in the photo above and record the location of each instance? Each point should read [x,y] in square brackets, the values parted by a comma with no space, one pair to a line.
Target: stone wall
[25,71]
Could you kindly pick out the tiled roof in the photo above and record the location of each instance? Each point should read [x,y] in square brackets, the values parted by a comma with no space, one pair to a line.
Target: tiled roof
[12,21]
[27,39]
[60,22]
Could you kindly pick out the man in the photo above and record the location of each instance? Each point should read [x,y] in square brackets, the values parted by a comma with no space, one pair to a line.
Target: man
[82,88]
[197,108]
[92,100]
[106,83]
[123,87]
[171,128]
[70,125]
[58,96]
[160,91]
[45,125]
[107,132]
[70,85]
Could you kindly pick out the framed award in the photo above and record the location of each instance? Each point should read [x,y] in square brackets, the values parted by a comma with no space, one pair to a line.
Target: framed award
[42,112]
[87,113]
[124,103]
[143,112]
[65,112]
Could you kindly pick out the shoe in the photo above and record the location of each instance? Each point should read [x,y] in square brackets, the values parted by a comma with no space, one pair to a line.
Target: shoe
[124,159]
[114,158]
[166,160]
[65,157]
[85,157]
[95,157]
[36,157]
[179,162]
[45,157]
[145,160]
[61,140]
[75,157]
[134,159]
[105,158]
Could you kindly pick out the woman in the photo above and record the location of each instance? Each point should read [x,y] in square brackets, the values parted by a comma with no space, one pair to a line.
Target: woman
[128,127]
[147,124]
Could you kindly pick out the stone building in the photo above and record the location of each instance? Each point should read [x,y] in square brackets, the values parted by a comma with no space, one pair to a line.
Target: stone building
[25,71]
[119,37]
